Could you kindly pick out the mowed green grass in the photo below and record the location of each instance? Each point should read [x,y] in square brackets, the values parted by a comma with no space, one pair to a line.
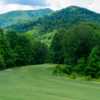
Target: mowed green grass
[38,83]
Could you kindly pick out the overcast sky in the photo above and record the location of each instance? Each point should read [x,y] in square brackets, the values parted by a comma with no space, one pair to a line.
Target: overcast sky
[9,5]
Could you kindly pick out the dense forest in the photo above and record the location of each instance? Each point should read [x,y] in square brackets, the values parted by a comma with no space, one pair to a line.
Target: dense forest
[70,37]
[17,50]
[79,48]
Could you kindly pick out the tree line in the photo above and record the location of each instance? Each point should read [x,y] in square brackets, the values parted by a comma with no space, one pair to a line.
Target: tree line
[78,47]
[18,49]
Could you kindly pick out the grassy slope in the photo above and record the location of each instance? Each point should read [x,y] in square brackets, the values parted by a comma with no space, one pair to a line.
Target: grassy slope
[37,83]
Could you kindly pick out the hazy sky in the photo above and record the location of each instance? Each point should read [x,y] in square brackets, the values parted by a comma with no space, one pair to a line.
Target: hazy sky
[9,5]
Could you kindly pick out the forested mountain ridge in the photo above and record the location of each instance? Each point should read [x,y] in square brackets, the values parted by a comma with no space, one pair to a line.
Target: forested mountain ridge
[22,17]
[58,19]
[66,17]
[70,36]
[46,27]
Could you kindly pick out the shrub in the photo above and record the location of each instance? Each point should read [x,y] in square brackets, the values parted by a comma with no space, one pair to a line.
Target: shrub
[59,69]
[93,68]
[73,75]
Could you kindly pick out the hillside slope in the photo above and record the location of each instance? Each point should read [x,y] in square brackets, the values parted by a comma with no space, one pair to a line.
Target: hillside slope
[59,19]
[38,83]
[66,18]
[45,28]
[22,17]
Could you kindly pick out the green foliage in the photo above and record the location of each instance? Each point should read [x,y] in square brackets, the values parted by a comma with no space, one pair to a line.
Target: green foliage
[79,42]
[69,36]
[64,18]
[93,68]
[75,46]
[39,53]
[18,49]
[21,47]
[57,54]
[58,69]
[19,20]
[5,50]
[88,78]
[2,62]
[68,69]
[80,66]
[73,76]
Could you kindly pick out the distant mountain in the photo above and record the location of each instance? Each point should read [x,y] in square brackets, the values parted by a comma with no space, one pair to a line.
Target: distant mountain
[66,18]
[50,20]
[22,17]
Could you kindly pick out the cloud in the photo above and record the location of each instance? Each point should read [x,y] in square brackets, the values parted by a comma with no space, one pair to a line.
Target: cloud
[9,5]
[14,7]
[25,2]
[58,4]
[95,6]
